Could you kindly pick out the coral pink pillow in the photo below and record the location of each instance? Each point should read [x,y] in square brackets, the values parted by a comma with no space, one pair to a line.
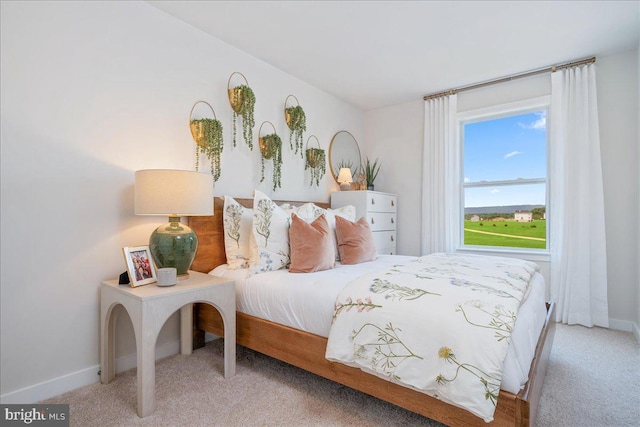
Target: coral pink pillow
[355,241]
[312,248]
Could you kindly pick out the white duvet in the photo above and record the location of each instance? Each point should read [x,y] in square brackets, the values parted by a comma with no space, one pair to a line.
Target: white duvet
[440,324]
[307,302]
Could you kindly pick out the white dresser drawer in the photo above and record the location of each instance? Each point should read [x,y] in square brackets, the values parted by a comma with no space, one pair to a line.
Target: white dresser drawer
[381,221]
[380,210]
[390,250]
[380,202]
[384,239]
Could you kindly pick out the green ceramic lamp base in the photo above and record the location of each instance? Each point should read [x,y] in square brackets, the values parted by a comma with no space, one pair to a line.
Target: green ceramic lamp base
[174,245]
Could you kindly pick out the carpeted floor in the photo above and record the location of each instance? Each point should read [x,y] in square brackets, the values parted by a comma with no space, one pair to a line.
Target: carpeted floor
[593,380]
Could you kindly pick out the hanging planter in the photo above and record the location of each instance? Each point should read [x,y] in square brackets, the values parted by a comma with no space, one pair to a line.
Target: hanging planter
[316,162]
[207,134]
[242,100]
[297,123]
[271,149]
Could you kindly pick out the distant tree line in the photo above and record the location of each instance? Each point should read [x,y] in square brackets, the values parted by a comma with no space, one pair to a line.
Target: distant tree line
[538,213]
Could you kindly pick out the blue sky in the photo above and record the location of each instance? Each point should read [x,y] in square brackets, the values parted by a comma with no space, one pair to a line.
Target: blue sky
[504,149]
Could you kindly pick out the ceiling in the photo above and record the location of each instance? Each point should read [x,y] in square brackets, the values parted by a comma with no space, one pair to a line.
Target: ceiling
[374,54]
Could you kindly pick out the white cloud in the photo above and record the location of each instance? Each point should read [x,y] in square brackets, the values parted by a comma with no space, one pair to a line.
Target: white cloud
[511,154]
[466,179]
[494,191]
[540,124]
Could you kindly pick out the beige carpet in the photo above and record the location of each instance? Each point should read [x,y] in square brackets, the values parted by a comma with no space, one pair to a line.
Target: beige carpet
[593,380]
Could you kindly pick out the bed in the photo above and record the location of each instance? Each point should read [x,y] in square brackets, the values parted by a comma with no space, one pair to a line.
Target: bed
[272,339]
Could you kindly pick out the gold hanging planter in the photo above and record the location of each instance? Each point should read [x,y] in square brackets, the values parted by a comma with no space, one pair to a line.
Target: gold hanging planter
[207,134]
[287,113]
[297,123]
[316,161]
[235,93]
[198,126]
[242,101]
[314,155]
[265,143]
[271,149]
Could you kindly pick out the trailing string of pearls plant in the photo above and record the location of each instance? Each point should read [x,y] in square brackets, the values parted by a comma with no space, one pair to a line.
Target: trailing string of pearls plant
[316,162]
[207,134]
[271,148]
[297,123]
[243,101]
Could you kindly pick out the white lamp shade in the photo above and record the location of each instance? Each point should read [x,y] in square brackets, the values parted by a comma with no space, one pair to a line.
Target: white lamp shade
[173,192]
[344,176]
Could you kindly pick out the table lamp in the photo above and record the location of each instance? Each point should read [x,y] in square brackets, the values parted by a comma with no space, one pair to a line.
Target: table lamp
[174,193]
[345,179]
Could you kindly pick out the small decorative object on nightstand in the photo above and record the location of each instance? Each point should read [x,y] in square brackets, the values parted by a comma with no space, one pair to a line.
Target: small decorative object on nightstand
[380,209]
[140,266]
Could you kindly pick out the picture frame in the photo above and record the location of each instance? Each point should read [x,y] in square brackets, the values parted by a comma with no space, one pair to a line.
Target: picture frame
[140,265]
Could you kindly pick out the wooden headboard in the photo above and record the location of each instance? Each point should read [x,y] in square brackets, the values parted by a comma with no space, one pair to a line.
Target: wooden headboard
[210,232]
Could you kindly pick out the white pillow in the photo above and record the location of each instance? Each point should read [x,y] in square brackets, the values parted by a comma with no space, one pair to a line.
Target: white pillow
[269,239]
[237,222]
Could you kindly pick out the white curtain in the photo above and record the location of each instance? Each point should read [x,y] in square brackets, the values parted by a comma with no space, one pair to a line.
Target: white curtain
[578,282]
[440,176]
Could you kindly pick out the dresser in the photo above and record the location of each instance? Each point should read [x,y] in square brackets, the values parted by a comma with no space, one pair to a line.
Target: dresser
[380,209]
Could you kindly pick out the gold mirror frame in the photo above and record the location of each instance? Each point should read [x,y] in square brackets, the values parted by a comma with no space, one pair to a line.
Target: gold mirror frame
[337,147]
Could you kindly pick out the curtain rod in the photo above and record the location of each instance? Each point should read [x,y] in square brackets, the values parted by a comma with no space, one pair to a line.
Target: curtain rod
[551,69]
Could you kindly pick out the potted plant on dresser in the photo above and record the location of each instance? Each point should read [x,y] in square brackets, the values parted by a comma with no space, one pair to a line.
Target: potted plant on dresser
[371,170]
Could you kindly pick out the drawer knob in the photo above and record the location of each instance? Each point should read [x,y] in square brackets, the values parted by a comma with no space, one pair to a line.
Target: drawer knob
[372,221]
[393,203]
[392,238]
[392,221]
[373,201]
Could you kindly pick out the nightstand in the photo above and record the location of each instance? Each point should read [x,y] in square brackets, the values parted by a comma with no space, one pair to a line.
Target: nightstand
[380,210]
[149,307]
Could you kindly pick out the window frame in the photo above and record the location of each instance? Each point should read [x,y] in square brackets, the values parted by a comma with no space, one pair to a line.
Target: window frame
[491,113]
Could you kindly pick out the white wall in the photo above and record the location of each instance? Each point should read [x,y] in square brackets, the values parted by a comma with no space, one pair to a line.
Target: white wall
[91,92]
[617,82]
[395,135]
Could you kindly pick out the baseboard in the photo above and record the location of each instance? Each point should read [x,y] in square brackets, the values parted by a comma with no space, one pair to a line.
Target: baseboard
[72,381]
[625,325]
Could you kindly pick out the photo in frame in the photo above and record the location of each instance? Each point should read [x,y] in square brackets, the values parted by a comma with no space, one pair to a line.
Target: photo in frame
[140,266]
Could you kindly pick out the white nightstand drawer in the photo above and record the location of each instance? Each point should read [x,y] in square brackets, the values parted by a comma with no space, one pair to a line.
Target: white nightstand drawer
[380,202]
[381,221]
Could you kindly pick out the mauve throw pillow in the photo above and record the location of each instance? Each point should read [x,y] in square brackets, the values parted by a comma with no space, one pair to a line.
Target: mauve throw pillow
[355,241]
[311,245]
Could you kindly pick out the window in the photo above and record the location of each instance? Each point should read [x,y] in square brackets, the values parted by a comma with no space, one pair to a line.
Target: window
[504,176]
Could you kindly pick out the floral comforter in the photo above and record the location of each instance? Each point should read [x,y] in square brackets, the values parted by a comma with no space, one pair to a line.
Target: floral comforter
[440,324]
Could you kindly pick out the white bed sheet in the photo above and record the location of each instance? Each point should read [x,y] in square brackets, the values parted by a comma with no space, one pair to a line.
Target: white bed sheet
[306,301]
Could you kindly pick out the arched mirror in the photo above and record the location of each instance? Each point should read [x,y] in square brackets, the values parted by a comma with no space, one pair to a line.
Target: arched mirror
[343,153]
